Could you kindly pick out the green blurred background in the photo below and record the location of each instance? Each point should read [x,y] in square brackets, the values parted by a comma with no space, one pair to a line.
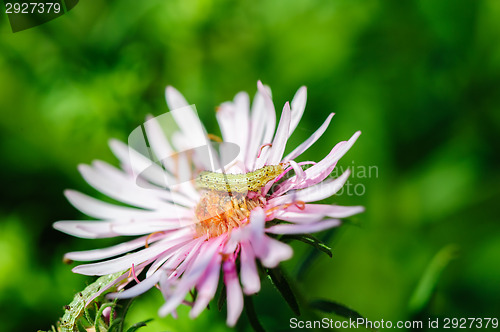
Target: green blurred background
[418,78]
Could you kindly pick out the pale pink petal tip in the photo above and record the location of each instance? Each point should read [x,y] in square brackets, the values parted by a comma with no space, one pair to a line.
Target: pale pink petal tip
[233,293]
[174,98]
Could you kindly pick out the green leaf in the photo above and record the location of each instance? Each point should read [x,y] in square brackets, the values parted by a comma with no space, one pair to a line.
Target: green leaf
[137,326]
[278,279]
[98,322]
[80,326]
[337,309]
[311,240]
[327,236]
[222,298]
[430,277]
[112,314]
[87,315]
[252,316]
[117,322]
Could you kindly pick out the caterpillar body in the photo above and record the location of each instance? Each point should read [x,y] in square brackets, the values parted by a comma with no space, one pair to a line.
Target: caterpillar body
[239,183]
[77,307]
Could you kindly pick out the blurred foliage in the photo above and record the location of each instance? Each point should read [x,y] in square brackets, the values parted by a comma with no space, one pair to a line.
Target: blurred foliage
[418,78]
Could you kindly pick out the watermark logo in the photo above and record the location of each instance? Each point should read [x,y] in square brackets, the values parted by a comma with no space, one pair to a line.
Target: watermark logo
[169,150]
[353,187]
[25,14]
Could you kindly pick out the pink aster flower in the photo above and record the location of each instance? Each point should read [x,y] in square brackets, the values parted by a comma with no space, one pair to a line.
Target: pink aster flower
[192,232]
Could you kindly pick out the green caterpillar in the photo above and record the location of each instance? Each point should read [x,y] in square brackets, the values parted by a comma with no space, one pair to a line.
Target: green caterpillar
[239,183]
[75,309]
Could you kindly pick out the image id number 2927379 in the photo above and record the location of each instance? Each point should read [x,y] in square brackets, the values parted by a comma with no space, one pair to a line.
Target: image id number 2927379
[32,7]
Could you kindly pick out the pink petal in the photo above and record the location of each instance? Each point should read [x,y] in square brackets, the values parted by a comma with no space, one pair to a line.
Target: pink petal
[286,185]
[172,301]
[242,121]
[270,111]
[315,212]
[171,260]
[322,190]
[298,107]
[99,209]
[298,217]
[280,138]
[191,126]
[158,141]
[94,229]
[183,183]
[119,190]
[234,122]
[256,227]
[138,163]
[174,98]
[303,228]
[191,276]
[314,193]
[320,171]
[139,288]
[225,117]
[268,250]
[333,211]
[86,229]
[207,287]
[270,124]
[119,176]
[300,175]
[146,227]
[310,141]
[98,254]
[257,126]
[172,268]
[233,291]
[102,210]
[125,262]
[249,275]
[177,270]
[168,286]
[325,165]
[277,252]
[209,249]
[108,286]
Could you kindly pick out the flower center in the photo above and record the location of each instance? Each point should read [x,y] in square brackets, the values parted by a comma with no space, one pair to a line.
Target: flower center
[218,212]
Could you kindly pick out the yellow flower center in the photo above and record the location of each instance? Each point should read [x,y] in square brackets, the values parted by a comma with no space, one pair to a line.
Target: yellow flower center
[218,212]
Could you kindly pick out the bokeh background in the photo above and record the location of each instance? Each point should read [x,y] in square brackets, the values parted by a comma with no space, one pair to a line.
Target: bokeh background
[420,79]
